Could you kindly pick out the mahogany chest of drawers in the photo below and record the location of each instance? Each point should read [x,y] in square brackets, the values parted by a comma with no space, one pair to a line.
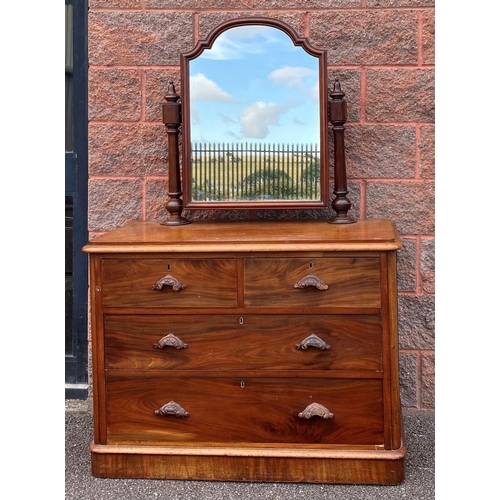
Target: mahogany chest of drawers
[251,351]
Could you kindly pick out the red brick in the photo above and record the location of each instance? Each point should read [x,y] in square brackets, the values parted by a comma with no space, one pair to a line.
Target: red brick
[407,265]
[211,215]
[409,204]
[428,37]
[380,151]
[408,379]
[139,38]
[399,3]
[305,4]
[416,320]
[156,88]
[400,95]
[427,152]
[114,203]
[115,4]
[156,199]
[427,265]
[428,381]
[366,37]
[199,4]
[114,94]
[116,150]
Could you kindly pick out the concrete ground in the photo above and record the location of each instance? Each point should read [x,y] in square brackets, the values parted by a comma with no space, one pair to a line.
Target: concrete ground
[81,485]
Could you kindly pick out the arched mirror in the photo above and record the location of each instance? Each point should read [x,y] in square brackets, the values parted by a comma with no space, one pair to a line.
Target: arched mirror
[254,125]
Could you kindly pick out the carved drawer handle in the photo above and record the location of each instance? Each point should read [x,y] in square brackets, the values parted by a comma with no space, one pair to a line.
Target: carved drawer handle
[170,340]
[315,409]
[172,408]
[311,280]
[168,280]
[313,341]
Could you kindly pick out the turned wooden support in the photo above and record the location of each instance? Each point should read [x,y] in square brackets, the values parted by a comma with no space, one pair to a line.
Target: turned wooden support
[172,120]
[337,117]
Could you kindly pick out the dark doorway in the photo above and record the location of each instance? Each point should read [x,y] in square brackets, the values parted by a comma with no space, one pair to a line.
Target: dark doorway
[76,282]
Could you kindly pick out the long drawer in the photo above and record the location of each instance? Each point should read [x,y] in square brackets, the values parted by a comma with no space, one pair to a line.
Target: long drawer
[169,283]
[251,342]
[237,410]
[314,282]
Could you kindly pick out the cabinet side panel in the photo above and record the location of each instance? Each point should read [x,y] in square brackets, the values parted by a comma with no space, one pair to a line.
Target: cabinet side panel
[394,349]
[386,358]
[97,339]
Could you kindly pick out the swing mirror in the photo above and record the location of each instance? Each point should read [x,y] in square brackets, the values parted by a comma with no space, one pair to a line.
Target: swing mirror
[254,122]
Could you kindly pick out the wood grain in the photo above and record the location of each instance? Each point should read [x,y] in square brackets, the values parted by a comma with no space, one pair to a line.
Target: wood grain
[209,282]
[247,342]
[248,236]
[241,378]
[236,464]
[263,410]
[352,282]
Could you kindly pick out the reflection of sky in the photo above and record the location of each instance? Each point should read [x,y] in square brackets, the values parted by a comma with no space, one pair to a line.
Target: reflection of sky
[252,86]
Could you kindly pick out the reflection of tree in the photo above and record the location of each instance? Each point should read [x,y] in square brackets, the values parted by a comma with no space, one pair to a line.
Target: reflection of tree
[268,184]
[312,172]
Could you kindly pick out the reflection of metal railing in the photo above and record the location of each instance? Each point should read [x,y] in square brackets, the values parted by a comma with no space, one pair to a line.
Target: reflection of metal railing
[235,172]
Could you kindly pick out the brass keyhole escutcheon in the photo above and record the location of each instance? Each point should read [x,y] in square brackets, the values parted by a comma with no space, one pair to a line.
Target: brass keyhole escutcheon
[242,384]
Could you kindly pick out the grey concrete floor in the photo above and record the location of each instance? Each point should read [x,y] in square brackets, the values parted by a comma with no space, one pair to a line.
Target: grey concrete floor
[81,485]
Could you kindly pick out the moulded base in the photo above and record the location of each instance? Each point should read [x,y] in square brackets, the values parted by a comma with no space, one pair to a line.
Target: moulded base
[250,464]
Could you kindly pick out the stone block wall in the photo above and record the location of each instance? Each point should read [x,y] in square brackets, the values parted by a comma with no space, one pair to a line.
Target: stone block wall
[383,53]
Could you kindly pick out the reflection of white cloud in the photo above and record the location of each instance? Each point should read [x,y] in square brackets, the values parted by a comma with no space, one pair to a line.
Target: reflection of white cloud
[232,134]
[234,43]
[194,116]
[314,92]
[204,89]
[290,76]
[297,121]
[227,119]
[255,119]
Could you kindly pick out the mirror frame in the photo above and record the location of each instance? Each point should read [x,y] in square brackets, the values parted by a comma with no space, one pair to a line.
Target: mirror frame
[207,43]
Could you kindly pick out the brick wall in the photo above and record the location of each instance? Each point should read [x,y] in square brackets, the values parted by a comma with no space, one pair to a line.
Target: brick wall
[383,53]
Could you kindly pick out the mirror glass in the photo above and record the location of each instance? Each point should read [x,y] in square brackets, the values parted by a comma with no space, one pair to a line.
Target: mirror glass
[254,132]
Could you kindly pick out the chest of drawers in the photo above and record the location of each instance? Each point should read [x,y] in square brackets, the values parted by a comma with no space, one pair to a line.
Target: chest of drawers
[251,351]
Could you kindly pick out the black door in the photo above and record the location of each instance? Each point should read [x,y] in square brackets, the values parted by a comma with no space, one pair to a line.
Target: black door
[76,199]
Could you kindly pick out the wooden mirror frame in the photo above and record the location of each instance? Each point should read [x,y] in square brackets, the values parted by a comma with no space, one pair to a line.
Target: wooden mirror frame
[331,110]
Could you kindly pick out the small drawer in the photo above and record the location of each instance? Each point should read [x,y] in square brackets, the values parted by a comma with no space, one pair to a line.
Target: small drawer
[191,411]
[250,342]
[169,283]
[322,282]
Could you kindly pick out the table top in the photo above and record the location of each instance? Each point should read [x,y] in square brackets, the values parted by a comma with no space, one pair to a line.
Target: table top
[204,236]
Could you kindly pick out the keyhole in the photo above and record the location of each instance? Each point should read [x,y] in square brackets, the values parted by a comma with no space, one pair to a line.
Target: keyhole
[310,264]
[242,384]
[168,267]
[241,320]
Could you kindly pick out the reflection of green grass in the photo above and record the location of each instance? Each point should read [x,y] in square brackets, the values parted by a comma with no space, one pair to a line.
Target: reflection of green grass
[236,176]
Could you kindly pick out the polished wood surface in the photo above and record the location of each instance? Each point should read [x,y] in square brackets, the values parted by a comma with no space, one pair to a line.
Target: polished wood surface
[250,464]
[249,410]
[351,281]
[209,283]
[248,342]
[197,350]
[372,234]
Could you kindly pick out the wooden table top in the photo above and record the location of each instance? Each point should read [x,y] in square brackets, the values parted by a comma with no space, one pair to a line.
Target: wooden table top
[204,236]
